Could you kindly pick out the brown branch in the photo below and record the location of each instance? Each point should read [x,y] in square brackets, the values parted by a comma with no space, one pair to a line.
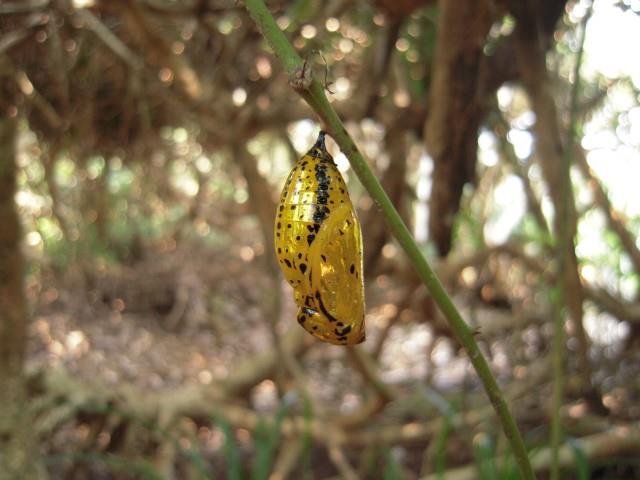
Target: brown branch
[260,367]
[616,442]
[508,154]
[14,37]
[49,157]
[39,101]
[196,402]
[394,183]
[401,304]
[110,40]
[372,79]
[23,6]
[363,415]
[201,402]
[288,456]
[551,155]
[158,52]
[412,432]
[617,307]
[366,366]
[339,460]
[263,206]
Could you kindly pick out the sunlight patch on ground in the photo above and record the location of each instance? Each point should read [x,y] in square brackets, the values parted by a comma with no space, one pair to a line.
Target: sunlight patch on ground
[405,352]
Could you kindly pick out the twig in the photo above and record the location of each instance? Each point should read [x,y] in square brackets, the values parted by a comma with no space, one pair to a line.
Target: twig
[619,308]
[288,456]
[508,152]
[402,303]
[158,52]
[362,415]
[614,218]
[347,472]
[255,369]
[14,37]
[110,40]
[550,153]
[565,236]
[313,93]
[23,7]
[47,110]
[366,365]
[600,445]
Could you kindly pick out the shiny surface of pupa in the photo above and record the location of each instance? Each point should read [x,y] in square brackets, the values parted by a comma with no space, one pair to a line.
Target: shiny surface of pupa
[318,244]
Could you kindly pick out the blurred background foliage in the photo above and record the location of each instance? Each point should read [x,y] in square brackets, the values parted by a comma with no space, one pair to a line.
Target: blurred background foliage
[151,139]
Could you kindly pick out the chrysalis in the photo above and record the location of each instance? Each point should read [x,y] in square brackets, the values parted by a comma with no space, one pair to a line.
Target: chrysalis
[318,243]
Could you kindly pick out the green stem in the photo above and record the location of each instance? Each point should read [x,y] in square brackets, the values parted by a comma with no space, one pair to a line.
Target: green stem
[564,242]
[317,99]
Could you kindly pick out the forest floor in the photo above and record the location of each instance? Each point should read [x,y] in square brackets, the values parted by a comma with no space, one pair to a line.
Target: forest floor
[188,316]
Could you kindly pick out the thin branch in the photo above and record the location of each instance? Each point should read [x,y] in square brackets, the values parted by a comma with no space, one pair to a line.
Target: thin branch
[14,37]
[373,78]
[366,365]
[289,455]
[603,445]
[110,40]
[522,171]
[401,303]
[313,92]
[341,463]
[619,308]
[566,238]
[614,219]
[49,113]
[551,155]
[22,6]
[253,370]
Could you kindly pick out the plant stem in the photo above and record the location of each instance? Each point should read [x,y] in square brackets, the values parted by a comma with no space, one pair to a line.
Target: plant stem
[316,98]
[565,241]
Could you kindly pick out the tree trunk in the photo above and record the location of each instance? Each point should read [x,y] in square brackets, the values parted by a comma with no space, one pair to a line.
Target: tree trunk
[457,106]
[18,454]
